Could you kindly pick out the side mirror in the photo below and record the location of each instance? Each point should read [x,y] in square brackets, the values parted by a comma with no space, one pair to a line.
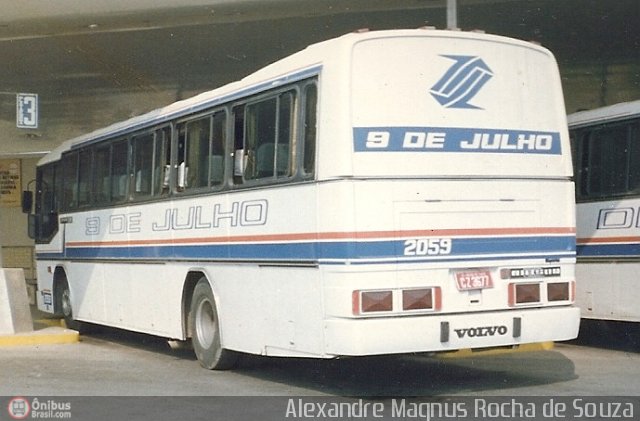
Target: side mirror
[27,201]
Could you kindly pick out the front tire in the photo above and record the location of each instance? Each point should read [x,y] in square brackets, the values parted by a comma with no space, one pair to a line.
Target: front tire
[65,306]
[205,330]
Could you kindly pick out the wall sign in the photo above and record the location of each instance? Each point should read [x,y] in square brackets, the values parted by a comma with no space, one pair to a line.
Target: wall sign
[27,111]
[10,183]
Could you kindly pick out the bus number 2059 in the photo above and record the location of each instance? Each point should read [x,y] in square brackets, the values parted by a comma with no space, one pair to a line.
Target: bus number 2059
[427,246]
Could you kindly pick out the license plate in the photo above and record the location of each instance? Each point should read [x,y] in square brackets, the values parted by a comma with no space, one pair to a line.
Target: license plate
[473,279]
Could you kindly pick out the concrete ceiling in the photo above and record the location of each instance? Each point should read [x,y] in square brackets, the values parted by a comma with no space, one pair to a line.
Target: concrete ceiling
[96,62]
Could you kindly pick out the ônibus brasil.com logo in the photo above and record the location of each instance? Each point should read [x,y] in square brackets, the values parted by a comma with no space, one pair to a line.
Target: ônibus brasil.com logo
[19,408]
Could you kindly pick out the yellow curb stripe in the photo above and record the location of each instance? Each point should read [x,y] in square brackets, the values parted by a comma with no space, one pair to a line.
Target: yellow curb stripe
[50,322]
[49,336]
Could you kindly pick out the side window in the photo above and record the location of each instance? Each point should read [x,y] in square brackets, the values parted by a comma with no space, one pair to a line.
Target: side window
[632,158]
[260,140]
[162,161]
[46,181]
[70,181]
[580,157]
[310,124]
[85,177]
[58,187]
[193,153]
[119,171]
[143,155]
[102,175]
[608,148]
[218,141]
[43,224]
[605,161]
[201,144]
[268,137]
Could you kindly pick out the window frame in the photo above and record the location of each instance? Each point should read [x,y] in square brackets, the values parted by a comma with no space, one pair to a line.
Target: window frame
[223,120]
[240,181]
[583,139]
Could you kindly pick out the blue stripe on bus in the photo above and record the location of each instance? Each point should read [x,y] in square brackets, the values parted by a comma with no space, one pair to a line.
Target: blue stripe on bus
[335,251]
[605,250]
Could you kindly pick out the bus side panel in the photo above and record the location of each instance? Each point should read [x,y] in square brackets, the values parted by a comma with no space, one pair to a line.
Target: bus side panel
[608,254]
[608,290]
[270,310]
[275,307]
[256,248]
[114,294]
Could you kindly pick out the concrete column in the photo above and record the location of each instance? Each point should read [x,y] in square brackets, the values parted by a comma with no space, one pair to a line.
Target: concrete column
[15,314]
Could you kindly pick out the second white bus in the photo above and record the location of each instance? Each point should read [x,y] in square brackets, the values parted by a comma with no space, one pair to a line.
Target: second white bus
[606,143]
[380,193]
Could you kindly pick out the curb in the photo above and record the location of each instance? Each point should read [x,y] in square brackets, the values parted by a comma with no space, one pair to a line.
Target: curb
[48,336]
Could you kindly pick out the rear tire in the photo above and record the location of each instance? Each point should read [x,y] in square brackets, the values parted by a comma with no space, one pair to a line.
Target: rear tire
[205,330]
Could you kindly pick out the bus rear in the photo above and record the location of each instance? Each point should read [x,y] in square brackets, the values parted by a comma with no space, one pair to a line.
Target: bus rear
[456,195]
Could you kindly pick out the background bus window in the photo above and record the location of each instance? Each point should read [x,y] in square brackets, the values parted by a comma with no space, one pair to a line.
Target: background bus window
[284,145]
[310,101]
[634,162]
[606,164]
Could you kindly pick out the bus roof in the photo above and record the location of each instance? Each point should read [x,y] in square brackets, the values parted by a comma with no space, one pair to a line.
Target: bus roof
[297,66]
[610,113]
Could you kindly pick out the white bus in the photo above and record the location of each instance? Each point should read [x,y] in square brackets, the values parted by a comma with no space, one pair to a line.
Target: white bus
[383,192]
[606,144]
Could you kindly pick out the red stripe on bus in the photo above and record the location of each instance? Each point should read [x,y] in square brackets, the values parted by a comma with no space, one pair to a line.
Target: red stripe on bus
[334,236]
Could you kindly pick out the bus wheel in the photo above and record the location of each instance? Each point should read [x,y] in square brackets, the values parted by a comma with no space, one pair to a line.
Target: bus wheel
[64,302]
[205,327]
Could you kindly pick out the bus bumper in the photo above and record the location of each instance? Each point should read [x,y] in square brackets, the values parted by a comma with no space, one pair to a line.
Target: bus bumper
[435,333]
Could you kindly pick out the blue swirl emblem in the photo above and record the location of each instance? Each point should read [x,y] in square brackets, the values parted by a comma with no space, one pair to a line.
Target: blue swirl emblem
[461,82]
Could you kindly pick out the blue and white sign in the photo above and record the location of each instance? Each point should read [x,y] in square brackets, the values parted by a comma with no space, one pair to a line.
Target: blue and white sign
[461,82]
[455,139]
[27,111]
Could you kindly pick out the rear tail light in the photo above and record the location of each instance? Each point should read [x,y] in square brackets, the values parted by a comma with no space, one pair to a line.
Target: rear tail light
[421,299]
[372,301]
[382,301]
[560,291]
[522,293]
